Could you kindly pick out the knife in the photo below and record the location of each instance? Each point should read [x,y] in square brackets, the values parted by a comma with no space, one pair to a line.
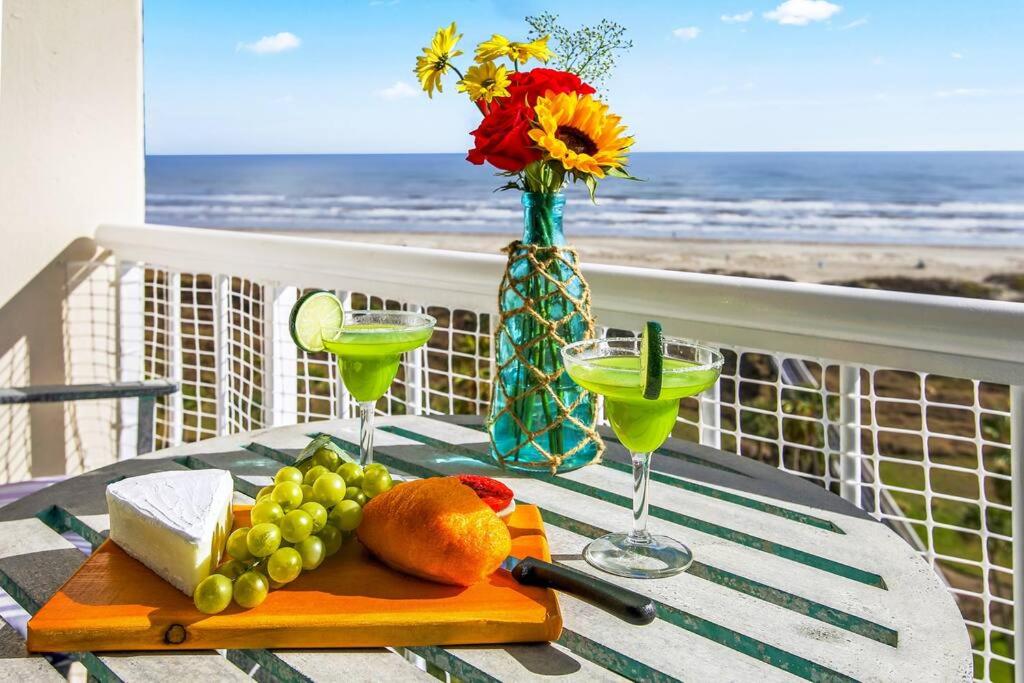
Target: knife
[621,602]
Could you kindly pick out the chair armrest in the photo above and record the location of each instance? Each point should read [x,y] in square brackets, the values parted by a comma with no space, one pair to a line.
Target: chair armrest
[80,392]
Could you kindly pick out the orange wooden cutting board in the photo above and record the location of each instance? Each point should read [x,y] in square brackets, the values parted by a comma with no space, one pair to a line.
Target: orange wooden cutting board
[113,602]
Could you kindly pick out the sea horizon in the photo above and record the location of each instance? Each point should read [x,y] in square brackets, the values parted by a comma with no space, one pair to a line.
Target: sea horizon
[943,198]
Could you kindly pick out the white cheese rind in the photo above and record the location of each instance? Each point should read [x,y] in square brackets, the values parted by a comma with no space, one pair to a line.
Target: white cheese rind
[175,523]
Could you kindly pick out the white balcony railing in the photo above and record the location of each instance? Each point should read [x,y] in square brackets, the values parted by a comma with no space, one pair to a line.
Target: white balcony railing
[910,406]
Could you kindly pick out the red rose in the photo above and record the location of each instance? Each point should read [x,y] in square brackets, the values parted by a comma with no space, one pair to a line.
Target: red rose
[527,86]
[502,139]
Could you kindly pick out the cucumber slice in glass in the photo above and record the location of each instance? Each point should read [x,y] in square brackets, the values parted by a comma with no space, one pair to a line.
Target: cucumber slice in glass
[310,314]
[652,360]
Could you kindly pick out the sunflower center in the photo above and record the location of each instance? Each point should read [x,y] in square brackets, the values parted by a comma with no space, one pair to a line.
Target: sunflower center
[576,140]
[487,83]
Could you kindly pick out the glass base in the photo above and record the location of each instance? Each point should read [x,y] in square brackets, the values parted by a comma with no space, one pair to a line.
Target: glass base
[616,554]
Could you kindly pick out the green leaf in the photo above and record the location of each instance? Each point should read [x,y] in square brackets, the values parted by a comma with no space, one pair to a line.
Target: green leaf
[616,172]
[591,182]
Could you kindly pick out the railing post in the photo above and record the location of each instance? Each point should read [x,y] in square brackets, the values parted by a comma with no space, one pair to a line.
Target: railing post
[175,353]
[281,358]
[1017,497]
[130,347]
[711,416]
[414,369]
[849,434]
[222,349]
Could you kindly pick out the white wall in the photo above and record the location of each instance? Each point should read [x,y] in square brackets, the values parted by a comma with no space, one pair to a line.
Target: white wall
[71,157]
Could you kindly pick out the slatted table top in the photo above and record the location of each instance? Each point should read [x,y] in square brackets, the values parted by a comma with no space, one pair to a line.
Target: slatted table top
[789,582]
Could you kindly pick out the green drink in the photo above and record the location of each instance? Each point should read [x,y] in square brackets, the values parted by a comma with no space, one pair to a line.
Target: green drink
[368,355]
[369,346]
[641,424]
[642,380]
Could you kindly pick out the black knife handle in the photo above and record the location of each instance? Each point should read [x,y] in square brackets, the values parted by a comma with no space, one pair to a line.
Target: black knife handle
[621,602]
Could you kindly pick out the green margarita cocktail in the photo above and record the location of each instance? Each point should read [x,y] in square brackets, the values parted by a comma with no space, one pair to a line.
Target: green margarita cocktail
[642,380]
[369,353]
[368,345]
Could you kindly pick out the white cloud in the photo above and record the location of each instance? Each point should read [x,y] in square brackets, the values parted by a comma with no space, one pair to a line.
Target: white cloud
[399,91]
[878,61]
[686,33]
[802,12]
[956,55]
[856,23]
[279,42]
[740,18]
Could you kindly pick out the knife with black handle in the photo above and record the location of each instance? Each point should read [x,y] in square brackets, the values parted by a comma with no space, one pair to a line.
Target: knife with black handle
[621,602]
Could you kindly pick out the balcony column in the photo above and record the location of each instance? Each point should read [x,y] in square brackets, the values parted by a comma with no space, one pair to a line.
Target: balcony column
[1017,495]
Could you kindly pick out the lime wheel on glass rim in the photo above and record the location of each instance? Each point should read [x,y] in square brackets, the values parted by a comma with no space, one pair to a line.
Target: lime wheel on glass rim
[313,312]
[652,360]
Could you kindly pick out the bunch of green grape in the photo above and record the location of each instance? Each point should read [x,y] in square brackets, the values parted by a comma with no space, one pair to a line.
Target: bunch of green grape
[297,522]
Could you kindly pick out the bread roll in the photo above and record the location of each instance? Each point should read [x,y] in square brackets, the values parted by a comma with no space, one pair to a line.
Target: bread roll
[437,529]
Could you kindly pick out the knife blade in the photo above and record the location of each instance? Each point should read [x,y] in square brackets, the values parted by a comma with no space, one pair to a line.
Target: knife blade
[630,606]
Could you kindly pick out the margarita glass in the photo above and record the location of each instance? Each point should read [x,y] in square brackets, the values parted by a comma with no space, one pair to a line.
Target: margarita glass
[369,346]
[611,367]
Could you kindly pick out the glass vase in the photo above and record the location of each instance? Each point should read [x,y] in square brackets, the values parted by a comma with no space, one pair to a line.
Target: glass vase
[540,419]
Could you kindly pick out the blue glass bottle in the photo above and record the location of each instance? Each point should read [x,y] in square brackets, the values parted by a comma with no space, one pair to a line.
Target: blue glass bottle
[518,408]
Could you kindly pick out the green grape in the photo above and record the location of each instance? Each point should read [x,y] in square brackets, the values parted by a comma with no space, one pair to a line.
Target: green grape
[314,472]
[331,536]
[346,515]
[274,585]
[236,546]
[284,565]
[232,569]
[375,466]
[376,482]
[352,473]
[264,492]
[327,458]
[251,589]
[288,494]
[263,539]
[292,474]
[318,513]
[352,493]
[266,510]
[296,526]
[312,551]
[329,489]
[307,493]
[213,594]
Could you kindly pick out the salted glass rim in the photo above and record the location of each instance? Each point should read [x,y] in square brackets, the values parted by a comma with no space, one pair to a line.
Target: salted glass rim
[570,357]
[417,321]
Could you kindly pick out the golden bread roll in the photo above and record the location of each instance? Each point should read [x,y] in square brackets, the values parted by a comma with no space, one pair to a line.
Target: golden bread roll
[437,529]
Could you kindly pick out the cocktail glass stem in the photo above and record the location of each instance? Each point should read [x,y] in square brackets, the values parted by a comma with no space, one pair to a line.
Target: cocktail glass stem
[366,432]
[641,479]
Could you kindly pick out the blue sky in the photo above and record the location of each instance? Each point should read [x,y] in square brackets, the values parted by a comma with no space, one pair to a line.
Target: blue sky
[334,76]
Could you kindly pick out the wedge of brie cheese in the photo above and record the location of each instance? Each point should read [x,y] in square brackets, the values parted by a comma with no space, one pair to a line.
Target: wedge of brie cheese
[175,523]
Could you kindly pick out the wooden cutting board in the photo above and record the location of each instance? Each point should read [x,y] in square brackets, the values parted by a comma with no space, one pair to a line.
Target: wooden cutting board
[113,602]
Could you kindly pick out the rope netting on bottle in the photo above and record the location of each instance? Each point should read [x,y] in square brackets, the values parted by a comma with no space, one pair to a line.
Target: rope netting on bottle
[537,329]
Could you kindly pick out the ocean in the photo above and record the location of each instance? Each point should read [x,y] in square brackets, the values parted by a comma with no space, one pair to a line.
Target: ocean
[935,198]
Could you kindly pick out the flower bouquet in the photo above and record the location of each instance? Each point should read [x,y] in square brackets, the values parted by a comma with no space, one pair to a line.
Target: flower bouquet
[542,129]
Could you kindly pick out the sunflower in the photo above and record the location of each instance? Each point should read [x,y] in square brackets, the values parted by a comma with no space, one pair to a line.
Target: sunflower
[485,82]
[579,132]
[500,46]
[436,59]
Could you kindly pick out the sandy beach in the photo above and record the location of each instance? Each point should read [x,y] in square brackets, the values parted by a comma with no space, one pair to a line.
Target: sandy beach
[797,261]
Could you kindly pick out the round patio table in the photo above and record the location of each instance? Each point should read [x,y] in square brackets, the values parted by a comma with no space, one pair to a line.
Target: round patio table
[789,581]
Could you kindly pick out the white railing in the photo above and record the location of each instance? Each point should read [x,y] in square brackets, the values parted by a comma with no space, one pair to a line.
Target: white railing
[910,406]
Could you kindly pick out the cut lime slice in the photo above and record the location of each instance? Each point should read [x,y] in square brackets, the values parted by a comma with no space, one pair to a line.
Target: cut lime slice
[652,360]
[312,313]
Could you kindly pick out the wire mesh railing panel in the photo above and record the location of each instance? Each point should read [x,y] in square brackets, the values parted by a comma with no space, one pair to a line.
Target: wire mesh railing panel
[198,357]
[245,338]
[158,339]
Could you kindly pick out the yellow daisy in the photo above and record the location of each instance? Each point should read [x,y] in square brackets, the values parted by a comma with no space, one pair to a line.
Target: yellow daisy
[485,82]
[500,46]
[436,59]
[579,132]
